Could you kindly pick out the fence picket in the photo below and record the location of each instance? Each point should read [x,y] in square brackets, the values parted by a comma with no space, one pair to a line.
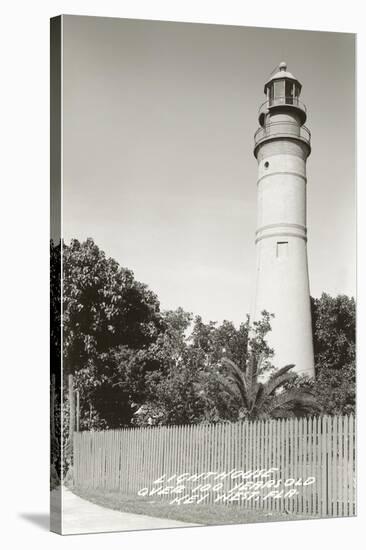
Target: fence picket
[351,467]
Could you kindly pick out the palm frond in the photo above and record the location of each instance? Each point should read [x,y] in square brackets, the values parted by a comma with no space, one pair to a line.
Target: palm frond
[233,388]
[257,398]
[292,399]
[281,371]
[277,381]
[260,399]
[238,374]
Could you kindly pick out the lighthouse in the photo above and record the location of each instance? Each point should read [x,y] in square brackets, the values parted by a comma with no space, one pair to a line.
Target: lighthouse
[281,147]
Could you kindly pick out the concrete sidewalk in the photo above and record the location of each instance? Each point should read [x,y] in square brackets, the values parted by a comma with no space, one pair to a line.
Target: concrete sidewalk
[81,516]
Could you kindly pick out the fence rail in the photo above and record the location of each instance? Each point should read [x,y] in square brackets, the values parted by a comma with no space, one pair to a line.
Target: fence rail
[319,449]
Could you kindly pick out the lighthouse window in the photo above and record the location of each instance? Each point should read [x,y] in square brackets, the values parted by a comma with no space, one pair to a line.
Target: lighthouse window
[289,92]
[266,164]
[282,249]
[271,94]
[279,91]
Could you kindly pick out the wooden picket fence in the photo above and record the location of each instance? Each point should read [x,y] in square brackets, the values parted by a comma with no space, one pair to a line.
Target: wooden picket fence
[319,449]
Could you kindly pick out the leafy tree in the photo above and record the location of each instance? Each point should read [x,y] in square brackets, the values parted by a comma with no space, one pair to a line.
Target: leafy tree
[176,396]
[189,389]
[334,329]
[55,363]
[104,306]
[110,322]
[257,342]
[182,390]
[334,385]
[235,345]
[55,309]
[215,341]
[333,389]
[173,389]
[104,389]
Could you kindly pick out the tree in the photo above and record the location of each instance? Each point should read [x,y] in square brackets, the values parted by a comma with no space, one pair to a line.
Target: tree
[334,330]
[110,320]
[334,389]
[258,400]
[107,385]
[234,344]
[176,397]
[55,362]
[55,310]
[103,306]
[185,389]
[190,388]
[173,389]
[215,340]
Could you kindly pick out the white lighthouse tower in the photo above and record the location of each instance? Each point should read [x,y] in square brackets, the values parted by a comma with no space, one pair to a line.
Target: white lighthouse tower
[282,146]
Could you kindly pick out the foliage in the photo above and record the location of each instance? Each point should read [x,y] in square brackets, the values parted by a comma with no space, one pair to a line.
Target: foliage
[104,306]
[109,385]
[214,341]
[55,438]
[191,390]
[173,389]
[334,329]
[110,322]
[55,310]
[135,364]
[176,396]
[334,389]
[256,399]
[334,386]
[257,343]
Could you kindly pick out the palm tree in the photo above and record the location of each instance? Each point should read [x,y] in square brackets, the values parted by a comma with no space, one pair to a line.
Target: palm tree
[270,398]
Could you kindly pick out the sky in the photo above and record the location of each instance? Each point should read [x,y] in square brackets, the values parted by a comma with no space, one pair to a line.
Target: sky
[158,165]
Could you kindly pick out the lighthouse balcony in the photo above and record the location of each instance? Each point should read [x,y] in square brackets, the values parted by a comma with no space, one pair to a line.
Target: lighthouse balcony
[277,130]
[276,103]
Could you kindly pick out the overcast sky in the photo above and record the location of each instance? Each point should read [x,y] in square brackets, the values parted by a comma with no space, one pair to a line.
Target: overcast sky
[158,153]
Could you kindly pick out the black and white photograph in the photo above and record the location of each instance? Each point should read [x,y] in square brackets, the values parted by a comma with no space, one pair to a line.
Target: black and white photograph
[203,275]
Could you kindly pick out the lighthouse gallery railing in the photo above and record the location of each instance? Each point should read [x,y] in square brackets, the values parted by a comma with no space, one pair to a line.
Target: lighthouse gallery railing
[282,129]
[279,101]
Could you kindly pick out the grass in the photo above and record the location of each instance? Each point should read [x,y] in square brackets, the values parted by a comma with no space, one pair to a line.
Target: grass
[204,514]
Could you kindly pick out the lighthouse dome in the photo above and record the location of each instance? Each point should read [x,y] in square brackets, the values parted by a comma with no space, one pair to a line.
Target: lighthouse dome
[282,73]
